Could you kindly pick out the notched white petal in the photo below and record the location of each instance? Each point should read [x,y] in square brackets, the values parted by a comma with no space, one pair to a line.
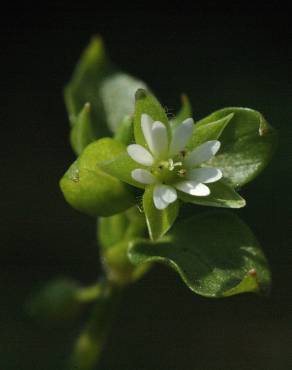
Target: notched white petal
[143,176]
[203,153]
[205,175]
[146,125]
[193,188]
[168,193]
[159,139]
[159,202]
[181,136]
[140,154]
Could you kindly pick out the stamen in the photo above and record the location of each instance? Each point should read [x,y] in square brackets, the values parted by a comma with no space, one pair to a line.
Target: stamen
[170,164]
[182,172]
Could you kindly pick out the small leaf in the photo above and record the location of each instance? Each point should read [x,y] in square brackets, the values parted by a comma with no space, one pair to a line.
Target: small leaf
[215,254]
[109,91]
[125,131]
[88,75]
[222,195]
[158,221]
[146,103]
[247,144]
[209,131]
[81,133]
[184,113]
[92,191]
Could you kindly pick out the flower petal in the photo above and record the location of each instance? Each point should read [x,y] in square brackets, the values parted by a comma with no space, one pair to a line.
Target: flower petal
[205,175]
[140,154]
[193,188]
[202,153]
[181,136]
[146,125]
[143,176]
[159,202]
[168,193]
[159,139]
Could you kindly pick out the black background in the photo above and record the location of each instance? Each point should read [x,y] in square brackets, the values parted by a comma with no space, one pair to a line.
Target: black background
[219,58]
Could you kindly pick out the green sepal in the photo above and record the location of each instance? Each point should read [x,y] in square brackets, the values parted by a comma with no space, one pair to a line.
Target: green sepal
[209,131]
[247,144]
[82,133]
[121,167]
[146,103]
[96,81]
[91,69]
[215,254]
[158,221]
[184,113]
[87,188]
[222,195]
[125,131]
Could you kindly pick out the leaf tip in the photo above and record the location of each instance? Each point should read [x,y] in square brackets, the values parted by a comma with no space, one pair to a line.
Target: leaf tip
[140,94]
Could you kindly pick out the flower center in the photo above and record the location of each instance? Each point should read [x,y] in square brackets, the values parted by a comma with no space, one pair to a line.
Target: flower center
[169,171]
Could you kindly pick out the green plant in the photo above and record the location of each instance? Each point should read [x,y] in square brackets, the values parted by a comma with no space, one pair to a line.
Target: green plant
[145,178]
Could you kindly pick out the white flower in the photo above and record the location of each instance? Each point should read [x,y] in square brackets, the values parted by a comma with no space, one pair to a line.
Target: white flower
[170,165]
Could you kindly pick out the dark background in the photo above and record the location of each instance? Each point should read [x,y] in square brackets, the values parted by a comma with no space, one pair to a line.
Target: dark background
[220,58]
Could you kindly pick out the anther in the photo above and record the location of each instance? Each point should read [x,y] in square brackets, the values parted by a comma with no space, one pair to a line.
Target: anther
[182,172]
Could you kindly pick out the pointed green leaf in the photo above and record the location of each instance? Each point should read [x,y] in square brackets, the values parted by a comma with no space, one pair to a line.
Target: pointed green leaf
[109,91]
[148,104]
[92,191]
[210,131]
[158,221]
[222,195]
[125,131]
[184,113]
[247,144]
[81,133]
[215,254]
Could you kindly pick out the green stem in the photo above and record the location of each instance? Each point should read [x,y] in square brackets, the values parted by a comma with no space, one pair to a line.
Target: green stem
[90,293]
[90,343]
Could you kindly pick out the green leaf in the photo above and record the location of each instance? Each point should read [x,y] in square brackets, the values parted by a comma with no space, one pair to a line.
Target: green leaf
[148,104]
[121,167]
[158,221]
[215,254]
[81,133]
[109,91]
[125,131]
[92,191]
[184,113]
[222,195]
[56,301]
[247,144]
[209,131]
